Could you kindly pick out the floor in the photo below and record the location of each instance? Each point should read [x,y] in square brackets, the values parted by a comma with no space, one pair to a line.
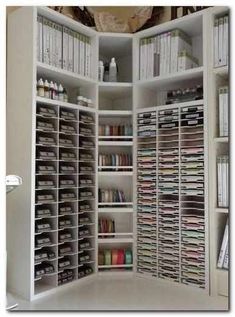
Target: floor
[125,294]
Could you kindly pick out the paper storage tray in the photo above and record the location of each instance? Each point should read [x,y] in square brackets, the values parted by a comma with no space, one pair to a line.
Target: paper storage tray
[46,125]
[46,153]
[45,225]
[45,239]
[86,155]
[86,117]
[85,206]
[68,128]
[86,168]
[47,111]
[85,270]
[67,221]
[46,138]
[68,181]
[67,262]
[68,168]
[45,268]
[45,254]
[46,168]
[46,182]
[68,248]
[67,208]
[46,211]
[67,154]
[69,141]
[46,196]
[67,235]
[67,194]
[66,276]
[68,114]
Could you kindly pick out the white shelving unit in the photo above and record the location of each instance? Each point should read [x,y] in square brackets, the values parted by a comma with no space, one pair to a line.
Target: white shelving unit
[114,104]
[217,146]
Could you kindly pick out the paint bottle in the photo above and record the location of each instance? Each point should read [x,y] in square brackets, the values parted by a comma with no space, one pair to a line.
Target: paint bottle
[51,90]
[61,93]
[113,70]
[40,88]
[101,71]
[46,89]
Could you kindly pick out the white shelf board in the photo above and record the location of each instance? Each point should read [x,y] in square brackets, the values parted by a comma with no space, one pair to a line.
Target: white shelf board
[222,210]
[63,76]
[114,266]
[115,173]
[115,240]
[114,113]
[221,71]
[115,204]
[52,102]
[221,139]
[170,79]
[115,210]
[116,234]
[123,137]
[115,90]
[115,143]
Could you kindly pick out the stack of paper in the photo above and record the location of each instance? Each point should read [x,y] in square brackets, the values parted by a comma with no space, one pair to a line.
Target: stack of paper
[223,111]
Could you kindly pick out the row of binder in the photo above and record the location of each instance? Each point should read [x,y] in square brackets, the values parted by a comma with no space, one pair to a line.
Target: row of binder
[111,195]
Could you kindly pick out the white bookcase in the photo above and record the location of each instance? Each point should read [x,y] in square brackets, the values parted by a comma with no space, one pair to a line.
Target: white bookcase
[114,104]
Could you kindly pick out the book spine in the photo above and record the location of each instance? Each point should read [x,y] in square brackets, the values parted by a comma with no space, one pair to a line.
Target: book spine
[225,103]
[168,60]
[219,182]
[216,43]
[141,59]
[221,22]
[224,183]
[65,48]
[39,39]
[221,112]
[88,57]
[226,37]
[51,34]
[70,51]
[82,55]
[226,258]
[172,66]
[223,247]
[75,53]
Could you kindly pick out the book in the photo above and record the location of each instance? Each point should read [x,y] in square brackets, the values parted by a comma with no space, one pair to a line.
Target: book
[221,35]
[39,39]
[216,42]
[223,247]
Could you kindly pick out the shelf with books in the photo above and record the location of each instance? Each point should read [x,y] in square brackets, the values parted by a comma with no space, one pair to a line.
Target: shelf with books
[112,266]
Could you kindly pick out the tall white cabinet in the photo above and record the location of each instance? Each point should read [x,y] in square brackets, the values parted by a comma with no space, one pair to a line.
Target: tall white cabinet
[140,221]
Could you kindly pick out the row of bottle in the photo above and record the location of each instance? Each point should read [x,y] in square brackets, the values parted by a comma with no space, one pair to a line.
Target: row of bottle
[108,71]
[51,90]
[58,92]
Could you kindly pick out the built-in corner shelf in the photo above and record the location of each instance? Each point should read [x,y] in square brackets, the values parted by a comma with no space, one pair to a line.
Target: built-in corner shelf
[64,76]
[221,139]
[170,79]
[222,210]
